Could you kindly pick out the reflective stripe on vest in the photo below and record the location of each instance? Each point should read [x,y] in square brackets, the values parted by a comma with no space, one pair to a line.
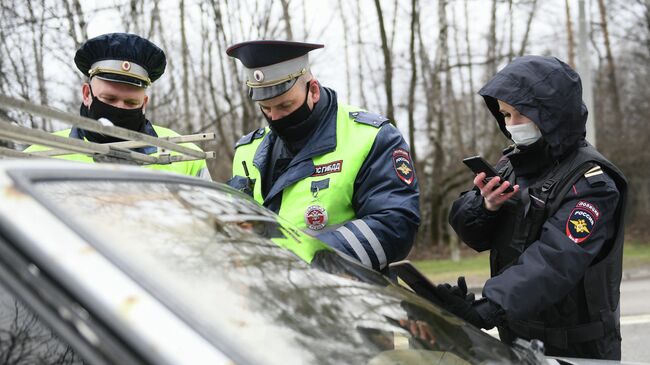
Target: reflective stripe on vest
[190,168]
[337,197]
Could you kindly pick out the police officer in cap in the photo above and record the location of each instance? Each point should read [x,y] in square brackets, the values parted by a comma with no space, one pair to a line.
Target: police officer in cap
[556,239]
[338,172]
[120,67]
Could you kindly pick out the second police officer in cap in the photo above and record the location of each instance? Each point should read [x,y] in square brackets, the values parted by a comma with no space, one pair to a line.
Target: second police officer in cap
[340,173]
[120,67]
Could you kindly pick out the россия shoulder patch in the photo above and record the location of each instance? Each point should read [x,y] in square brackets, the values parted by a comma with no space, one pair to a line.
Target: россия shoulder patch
[581,221]
[403,166]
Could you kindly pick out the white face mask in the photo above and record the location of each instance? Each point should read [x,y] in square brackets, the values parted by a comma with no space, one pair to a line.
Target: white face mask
[524,134]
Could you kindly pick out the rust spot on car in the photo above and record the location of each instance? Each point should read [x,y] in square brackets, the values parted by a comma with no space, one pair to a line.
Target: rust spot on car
[128,304]
[13,192]
[88,250]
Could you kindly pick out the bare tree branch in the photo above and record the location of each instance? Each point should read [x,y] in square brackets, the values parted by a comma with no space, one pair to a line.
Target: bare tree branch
[286,16]
[524,40]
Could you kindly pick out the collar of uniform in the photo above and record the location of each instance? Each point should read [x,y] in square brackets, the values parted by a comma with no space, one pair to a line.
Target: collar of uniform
[323,140]
[148,129]
[530,160]
[260,160]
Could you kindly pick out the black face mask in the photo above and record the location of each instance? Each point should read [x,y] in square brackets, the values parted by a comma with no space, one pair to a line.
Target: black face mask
[296,126]
[132,119]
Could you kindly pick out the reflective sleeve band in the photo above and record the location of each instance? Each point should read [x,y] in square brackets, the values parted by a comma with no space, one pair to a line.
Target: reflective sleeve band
[353,241]
[373,240]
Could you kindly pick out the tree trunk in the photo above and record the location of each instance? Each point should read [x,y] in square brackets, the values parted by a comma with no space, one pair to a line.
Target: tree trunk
[37,47]
[611,70]
[569,31]
[472,90]
[388,68]
[82,20]
[524,41]
[72,28]
[430,84]
[647,24]
[346,49]
[439,154]
[413,82]
[490,129]
[360,74]
[223,137]
[511,37]
[186,74]
[458,123]
[286,16]
[491,61]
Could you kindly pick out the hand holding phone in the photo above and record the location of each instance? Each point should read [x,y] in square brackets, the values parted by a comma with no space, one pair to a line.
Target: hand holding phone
[477,164]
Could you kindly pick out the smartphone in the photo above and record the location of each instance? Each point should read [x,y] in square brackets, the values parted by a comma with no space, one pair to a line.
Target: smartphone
[477,164]
[415,280]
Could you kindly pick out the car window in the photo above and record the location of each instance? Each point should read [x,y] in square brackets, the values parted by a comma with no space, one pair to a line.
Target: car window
[244,278]
[25,340]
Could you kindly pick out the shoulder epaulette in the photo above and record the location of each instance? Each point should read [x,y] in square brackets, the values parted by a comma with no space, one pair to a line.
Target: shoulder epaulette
[595,176]
[250,137]
[375,120]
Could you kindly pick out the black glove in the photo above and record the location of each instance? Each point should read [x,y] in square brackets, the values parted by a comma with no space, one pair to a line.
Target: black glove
[457,301]
[460,290]
[243,184]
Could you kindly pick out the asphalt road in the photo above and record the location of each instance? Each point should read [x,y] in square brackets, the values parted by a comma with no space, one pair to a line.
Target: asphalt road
[635,319]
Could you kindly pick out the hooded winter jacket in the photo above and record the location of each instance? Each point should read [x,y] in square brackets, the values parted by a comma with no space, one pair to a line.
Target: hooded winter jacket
[554,278]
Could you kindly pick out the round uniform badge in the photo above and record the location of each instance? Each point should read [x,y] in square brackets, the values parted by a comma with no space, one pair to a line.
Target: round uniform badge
[126,65]
[258,75]
[316,217]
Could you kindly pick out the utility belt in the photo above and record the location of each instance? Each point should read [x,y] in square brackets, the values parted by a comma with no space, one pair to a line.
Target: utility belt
[562,337]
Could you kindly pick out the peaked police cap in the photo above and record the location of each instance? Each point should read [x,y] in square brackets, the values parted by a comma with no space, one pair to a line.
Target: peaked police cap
[272,67]
[121,57]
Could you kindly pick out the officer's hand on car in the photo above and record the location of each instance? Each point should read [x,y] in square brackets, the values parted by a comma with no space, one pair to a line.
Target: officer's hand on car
[457,301]
[493,191]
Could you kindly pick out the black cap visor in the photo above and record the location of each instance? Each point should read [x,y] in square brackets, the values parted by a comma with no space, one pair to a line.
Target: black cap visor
[122,79]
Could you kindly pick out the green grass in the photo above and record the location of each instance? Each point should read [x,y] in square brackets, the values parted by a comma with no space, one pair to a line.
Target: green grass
[476,267]
[636,254]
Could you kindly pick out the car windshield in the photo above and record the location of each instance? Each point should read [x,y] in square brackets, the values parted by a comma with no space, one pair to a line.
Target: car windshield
[255,286]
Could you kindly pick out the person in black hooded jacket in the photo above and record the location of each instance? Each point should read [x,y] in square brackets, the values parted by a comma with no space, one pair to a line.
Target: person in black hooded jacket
[556,240]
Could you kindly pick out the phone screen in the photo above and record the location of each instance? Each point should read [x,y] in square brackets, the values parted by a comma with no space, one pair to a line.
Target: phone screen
[477,164]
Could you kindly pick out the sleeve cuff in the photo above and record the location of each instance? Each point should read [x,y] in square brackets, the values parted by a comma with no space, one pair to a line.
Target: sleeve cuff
[478,205]
[491,313]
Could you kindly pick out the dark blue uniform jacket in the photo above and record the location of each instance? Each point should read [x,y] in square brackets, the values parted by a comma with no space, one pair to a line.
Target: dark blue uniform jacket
[549,94]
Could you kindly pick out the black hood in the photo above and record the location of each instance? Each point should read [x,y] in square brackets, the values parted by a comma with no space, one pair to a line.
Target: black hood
[547,91]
